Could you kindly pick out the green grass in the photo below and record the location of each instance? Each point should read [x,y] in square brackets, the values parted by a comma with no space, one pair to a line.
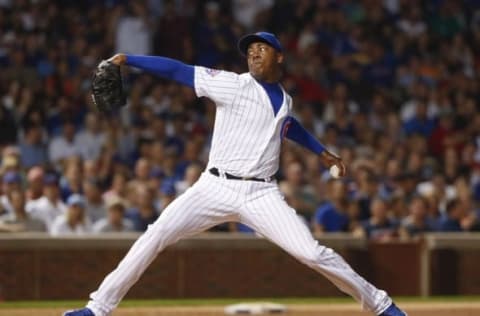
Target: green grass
[221,302]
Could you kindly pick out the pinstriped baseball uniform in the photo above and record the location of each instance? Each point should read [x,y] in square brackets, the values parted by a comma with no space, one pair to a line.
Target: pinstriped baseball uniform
[247,134]
[246,142]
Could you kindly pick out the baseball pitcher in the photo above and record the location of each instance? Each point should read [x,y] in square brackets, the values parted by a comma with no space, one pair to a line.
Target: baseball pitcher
[253,116]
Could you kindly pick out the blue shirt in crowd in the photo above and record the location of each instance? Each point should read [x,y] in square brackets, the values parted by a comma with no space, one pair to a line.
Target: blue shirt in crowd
[422,127]
[446,224]
[378,231]
[140,223]
[332,219]
[33,155]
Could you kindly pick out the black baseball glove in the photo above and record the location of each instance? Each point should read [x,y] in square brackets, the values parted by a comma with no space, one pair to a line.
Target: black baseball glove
[107,88]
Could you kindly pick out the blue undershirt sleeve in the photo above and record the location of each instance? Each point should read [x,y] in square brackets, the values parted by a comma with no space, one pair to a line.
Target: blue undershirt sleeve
[300,135]
[164,67]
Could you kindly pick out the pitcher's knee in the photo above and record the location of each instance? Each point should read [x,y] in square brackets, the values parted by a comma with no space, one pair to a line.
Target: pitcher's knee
[310,256]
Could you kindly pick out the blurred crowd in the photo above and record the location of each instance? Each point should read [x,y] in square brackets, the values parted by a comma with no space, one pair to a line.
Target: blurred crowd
[389,85]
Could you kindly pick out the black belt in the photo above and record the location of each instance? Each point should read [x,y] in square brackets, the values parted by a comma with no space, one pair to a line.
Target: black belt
[216,172]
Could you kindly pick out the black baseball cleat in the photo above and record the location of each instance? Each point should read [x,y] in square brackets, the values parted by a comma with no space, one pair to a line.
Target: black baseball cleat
[80,312]
[393,310]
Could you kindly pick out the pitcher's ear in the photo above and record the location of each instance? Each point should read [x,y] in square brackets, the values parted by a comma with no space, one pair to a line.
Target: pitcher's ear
[280,58]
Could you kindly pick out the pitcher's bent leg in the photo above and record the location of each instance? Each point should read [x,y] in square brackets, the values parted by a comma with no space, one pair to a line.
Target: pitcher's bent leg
[187,215]
[271,216]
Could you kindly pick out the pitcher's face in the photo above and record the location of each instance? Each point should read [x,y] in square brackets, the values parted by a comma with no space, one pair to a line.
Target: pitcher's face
[263,61]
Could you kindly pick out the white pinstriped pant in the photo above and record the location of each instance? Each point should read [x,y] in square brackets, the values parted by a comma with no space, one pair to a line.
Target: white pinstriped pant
[214,200]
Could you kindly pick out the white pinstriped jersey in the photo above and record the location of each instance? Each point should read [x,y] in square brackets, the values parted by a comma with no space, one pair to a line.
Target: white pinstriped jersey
[247,134]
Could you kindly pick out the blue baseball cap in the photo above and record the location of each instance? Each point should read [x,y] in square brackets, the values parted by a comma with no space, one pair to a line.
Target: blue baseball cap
[12,177]
[263,37]
[76,199]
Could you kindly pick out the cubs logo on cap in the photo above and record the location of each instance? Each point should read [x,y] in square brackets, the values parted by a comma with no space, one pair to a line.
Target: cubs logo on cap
[263,37]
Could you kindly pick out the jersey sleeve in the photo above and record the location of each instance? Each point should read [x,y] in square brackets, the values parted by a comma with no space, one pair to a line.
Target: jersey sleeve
[296,132]
[218,85]
[164,67]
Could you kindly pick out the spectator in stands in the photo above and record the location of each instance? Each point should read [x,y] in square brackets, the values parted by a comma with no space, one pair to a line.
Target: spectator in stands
[133,28]
[470,221]
[398,206]
[90,169]
[367,188]
[65,145]
[379,226]
[379,71]
[191,155]
[33,150]
[192,173]
[444,135]
[420,123]
[155,180]
[115,222]
[74,221]
[167,194]
[175,142]
[48,207]
[313,168]
[144,212]
[418,221]
[247,11]
[19,220]
[391,171]
[118,189]
[158,150]
[299,194]
[92,138]
[35,178]
[212,37]
[332,216]
[11,181]
[72,179]
[339,102]
[451,164]
[412,24]
[418,94]
[94,204]
[158,105]
[169,164]
[406,185]
[143,170]
[455,212]
[440,189]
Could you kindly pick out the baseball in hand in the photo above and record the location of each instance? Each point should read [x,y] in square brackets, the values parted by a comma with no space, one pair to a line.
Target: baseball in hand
[335,172]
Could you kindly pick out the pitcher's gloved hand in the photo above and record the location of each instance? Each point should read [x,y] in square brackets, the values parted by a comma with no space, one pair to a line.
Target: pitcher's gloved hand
[107,88]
